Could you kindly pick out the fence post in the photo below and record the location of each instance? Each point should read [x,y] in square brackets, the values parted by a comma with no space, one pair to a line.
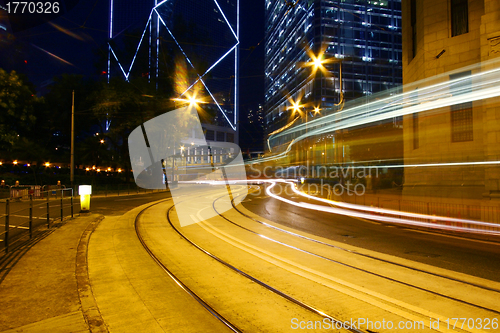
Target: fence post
[106,191]
[118,189]
[128,187]
[71,205]
[7,216]
[31,215]
[61,207]
[48,216]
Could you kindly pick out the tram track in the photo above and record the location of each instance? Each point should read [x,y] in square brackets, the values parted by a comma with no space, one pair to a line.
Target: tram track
[183,286]
[286,295]
[251,278]
[481,286]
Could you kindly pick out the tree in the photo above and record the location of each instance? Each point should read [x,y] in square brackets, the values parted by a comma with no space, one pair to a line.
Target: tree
[119,107]
[54,116]
[17,100]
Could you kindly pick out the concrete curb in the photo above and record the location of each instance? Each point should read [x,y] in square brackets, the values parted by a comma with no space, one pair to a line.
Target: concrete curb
[88,303]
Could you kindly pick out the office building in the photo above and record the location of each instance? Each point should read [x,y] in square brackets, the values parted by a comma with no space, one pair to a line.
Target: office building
[361,39]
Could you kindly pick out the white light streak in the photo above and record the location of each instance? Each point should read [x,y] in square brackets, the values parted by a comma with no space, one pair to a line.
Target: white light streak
[227,22]
[339,211]
[140,42]
[486,85]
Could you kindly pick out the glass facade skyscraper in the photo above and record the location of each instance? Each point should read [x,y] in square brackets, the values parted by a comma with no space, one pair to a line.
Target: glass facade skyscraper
[361,39]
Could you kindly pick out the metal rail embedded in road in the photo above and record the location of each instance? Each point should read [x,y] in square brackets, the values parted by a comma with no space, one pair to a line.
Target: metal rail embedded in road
[189,291]
[261,283]
[363,255]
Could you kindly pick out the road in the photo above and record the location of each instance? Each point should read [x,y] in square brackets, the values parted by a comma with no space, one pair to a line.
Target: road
[108,206]
[473,257]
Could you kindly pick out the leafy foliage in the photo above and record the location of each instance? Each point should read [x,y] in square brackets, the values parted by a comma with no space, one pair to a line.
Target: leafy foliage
[17,102]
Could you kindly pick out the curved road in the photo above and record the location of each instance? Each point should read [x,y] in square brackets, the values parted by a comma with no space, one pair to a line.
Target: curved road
[473,257]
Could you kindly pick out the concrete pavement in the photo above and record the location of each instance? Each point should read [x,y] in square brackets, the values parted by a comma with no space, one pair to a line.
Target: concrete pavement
[43,288]
[49,283]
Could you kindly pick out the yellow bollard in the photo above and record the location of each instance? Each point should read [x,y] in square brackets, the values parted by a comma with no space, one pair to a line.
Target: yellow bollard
[85,191]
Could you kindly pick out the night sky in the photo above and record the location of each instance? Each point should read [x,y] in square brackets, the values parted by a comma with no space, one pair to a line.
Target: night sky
[46,51]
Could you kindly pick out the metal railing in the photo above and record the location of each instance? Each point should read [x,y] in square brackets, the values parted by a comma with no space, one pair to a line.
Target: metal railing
[26,213]
[119,189]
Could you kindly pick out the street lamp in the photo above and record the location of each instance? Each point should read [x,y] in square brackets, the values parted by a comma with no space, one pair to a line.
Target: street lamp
[317,62]
[190,100]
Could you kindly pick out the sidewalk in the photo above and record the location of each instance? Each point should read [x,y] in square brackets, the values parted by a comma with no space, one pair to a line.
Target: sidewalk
[43,289]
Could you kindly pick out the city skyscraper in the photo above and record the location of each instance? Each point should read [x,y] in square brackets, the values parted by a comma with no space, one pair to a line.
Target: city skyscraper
[360,38]
[195,42]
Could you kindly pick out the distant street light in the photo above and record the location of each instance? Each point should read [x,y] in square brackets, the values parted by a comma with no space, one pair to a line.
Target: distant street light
[191,100]
[317,62]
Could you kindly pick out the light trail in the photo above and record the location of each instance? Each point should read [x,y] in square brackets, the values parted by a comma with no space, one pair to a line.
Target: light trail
[400,221]
[54,56]
[388,105]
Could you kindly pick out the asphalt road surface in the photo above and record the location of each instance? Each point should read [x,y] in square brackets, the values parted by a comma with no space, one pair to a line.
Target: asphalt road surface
[473,257]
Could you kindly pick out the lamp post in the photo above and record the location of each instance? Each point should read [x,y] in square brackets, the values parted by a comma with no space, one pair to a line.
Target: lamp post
[317,62]
[72,162]
[301,109]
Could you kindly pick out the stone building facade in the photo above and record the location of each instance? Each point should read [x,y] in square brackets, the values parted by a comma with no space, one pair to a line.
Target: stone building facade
[449,39]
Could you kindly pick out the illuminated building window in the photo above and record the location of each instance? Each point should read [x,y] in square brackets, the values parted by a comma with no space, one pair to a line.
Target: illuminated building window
[459,17]
[461,122]
[461,114]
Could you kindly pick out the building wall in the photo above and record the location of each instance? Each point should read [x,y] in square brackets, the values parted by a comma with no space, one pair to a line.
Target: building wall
[490,48]
[434,35]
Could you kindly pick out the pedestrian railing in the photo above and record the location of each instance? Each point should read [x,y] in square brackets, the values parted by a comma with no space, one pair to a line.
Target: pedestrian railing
[25,213]
[120,189]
